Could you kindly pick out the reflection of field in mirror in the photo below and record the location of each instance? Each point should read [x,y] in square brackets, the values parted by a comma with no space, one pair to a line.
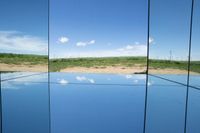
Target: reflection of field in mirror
[173,67]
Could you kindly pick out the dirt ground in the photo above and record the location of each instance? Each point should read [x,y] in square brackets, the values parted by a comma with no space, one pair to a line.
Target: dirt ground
[23,68]
[117,70]
[124,70]
[112,70]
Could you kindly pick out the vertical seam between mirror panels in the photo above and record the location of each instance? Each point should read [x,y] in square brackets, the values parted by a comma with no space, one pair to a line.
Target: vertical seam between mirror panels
[189,63]
[1,104]
[147,67]
[49,92]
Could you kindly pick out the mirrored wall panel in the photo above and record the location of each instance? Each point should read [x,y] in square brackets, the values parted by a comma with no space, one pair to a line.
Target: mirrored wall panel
[98,59]
[98,36]
[165,106]
[96,103]
[25,103]
[24,35]
[193,118]
[169,38]
[195,47]
[0,106]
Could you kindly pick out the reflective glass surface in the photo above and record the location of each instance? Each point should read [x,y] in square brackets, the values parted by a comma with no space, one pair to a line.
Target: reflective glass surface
[169,37]
[195,47]
[96,103]
[25,103]
[166,106]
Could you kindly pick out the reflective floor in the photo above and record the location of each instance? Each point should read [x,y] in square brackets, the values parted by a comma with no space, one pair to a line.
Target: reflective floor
[96,103]
[25,107]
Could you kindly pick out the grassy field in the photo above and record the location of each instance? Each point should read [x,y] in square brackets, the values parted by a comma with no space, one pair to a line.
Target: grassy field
[182,65]
[19,59]
[58,64]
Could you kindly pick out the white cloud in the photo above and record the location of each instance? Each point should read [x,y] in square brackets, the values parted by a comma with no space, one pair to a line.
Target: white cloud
[135,76]
[63,82]
[18,83]
[63,40]
[92,42]
[151,40]
[135,49]
[16,42]
[129,76]
[149,83]
[129,47]
[91,81]
[136,81]
[83,78]
[83,44]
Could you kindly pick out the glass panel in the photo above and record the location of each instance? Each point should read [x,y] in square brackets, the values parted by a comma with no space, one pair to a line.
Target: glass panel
[25,103]
[98,36]
[24,48]
[169,37]
[94,103]
[165,106]
[193,118]
[0,106]
[24,35]
[195,48]
[95,47]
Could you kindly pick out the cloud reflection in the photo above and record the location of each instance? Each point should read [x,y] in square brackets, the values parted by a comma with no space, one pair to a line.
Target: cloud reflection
[83,78]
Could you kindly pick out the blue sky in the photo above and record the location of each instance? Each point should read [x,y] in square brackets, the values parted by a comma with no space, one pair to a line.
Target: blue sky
[195,55]
[24,26]
[169,25]
[119,28]
[99,28]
